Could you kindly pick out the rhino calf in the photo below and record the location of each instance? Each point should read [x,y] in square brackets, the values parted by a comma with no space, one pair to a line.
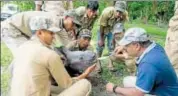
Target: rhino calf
[76,61]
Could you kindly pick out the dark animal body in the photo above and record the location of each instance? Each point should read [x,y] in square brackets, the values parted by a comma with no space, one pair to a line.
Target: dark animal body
[76,62]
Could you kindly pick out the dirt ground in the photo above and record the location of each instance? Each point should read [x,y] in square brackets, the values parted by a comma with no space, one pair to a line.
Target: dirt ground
[99,85]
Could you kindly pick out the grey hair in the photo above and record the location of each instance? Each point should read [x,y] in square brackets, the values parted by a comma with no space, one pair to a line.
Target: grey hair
[143,44]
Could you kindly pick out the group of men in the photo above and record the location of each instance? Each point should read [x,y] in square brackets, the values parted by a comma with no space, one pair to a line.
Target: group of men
[31,36]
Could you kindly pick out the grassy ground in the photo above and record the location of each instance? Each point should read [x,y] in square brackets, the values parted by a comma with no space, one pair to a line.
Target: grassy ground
[6,58]
[157,34]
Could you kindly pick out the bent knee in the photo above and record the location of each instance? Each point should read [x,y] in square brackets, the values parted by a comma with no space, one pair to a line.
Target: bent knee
[129,81]
[85,82]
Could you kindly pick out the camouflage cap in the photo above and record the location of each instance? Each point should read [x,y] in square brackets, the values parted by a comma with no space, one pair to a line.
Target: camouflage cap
[118,28]
[85,33]
[120,6]
[42,22]
[72,14]
[134,34]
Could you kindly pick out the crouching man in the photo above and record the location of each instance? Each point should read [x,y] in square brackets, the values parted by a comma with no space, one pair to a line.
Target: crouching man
[36,66]
[129,61]
[82,43]
[155,74]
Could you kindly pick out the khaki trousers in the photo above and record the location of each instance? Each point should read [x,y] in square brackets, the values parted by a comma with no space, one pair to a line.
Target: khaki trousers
[80,88]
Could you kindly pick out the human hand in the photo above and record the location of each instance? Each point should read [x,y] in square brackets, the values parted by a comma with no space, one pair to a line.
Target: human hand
[90,69]
[109,87]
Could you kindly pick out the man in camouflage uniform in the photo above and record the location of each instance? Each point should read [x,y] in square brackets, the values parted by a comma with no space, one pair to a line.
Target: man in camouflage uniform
[107,20]
[87,14]
[171,45]
[41,65]
[118,33]
[83,42]
[15,30]
[57,7]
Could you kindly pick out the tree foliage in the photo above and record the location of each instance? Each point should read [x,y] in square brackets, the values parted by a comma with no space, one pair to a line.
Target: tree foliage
[153,11]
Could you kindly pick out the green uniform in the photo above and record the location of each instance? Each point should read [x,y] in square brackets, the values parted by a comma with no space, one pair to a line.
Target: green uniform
[108,19]
[74,46]
[85,21]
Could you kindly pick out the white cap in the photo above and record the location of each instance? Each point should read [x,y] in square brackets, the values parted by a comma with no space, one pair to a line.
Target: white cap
[134,34]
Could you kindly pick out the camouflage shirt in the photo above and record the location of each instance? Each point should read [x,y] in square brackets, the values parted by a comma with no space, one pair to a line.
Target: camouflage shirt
[74,46]
[108,19]
[86,22]
[21,20]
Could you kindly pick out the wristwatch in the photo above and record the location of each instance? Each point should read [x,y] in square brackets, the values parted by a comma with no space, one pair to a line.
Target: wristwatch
[114,88]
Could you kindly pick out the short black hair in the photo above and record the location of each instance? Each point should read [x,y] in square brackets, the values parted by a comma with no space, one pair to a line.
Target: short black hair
[93,5]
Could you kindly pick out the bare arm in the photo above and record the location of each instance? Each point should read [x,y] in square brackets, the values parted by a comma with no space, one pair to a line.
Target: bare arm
[131,91]
[87,72]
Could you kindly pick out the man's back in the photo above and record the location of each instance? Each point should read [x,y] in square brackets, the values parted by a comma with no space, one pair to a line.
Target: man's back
[21,20]
[33,70]
[157,73]
[30,74]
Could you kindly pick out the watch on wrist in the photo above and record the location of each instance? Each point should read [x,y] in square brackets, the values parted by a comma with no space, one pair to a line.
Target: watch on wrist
[114,88]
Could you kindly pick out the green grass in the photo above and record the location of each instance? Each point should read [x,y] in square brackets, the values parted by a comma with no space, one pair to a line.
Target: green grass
[157,34]
[6,58]
[151,29]
[6,55]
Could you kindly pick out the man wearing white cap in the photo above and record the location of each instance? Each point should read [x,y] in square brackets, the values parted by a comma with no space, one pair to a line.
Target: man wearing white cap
[155,74]
[36,66]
